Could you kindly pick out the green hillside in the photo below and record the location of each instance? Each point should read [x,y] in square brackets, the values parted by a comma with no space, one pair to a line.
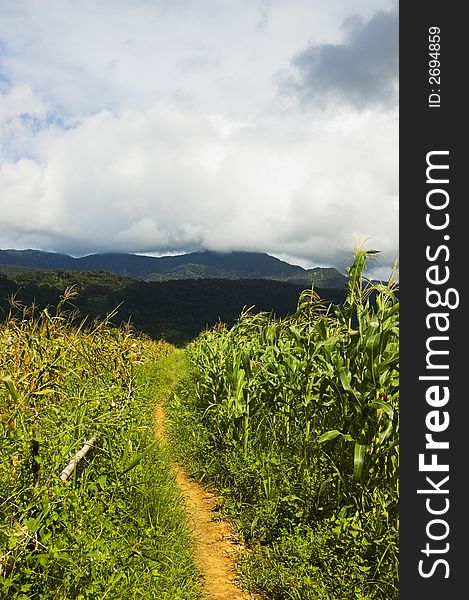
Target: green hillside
[195,265]
[176,310]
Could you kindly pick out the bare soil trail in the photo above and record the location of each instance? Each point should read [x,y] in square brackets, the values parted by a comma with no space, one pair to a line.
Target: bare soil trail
[216,544]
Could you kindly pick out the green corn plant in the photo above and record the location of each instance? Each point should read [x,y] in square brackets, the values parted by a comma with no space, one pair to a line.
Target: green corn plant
[316,392]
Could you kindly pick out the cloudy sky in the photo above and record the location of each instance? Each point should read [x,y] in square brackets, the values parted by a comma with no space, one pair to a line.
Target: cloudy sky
[169,126]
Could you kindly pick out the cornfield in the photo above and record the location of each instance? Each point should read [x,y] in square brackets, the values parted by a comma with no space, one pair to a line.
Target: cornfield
[114,527]
[300,423]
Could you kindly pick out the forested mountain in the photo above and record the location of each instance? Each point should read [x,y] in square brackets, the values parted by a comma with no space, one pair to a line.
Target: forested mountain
[195,265]
[174,310]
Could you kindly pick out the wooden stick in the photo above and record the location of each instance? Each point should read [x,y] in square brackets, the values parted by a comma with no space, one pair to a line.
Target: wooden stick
[65,474]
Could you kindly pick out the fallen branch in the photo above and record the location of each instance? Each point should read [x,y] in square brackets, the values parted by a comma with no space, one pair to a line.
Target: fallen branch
[65,474]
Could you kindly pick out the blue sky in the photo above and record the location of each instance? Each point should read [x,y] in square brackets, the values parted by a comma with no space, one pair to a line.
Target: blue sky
[158,126]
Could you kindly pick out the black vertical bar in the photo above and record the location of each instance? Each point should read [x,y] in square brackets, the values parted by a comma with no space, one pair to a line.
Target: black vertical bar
[433,122]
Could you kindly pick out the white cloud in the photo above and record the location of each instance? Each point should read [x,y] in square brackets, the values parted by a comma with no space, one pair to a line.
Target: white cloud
[21,100]
[157,126]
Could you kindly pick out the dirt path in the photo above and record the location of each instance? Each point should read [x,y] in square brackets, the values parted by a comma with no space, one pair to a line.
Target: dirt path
[215,542]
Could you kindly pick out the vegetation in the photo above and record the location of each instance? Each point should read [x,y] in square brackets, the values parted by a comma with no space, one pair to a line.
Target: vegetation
[293,416]
[195,265]
[115,528]
[296,422]
[174,310]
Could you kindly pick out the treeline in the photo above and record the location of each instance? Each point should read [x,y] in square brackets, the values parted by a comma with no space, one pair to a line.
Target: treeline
[176,311]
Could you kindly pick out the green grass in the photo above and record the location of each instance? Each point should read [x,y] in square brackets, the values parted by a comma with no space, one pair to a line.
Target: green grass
[116,528]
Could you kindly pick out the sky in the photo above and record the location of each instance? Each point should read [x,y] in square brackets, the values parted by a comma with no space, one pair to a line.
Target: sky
[172,126]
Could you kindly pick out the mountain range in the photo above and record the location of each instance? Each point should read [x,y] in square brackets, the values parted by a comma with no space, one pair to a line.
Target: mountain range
[195,265]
